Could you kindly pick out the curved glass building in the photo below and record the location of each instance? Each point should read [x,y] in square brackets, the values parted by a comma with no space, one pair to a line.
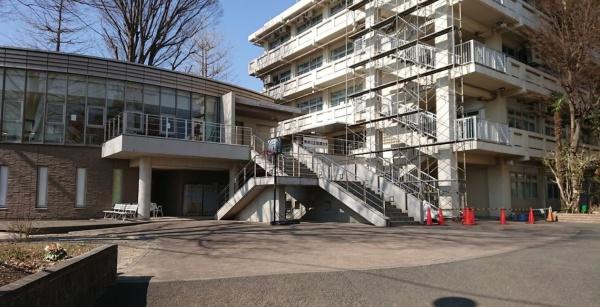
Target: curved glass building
[75,130]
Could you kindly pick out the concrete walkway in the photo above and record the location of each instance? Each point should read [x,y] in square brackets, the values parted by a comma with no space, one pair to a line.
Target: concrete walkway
[202,250]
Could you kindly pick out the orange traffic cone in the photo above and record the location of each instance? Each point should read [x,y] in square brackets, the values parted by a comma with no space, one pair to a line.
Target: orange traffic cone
[472,216]
[429,220]
[502,216]
[440,217]
[530,220]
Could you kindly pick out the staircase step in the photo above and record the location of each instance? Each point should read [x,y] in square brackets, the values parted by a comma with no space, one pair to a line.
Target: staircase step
[402,223]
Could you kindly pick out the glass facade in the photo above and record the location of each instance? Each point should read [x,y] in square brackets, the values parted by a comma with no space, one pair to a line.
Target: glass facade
[60,108]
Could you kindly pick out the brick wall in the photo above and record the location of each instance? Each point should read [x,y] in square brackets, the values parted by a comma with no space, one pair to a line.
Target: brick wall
[62,162]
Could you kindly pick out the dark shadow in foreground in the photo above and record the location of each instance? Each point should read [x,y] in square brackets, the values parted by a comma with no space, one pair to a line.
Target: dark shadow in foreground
[454,301]
[130,291]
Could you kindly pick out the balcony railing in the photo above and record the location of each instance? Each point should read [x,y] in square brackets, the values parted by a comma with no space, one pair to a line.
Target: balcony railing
[133,123]
[473,128]
[339,114]
[476,52]
[304,40]
[325,73]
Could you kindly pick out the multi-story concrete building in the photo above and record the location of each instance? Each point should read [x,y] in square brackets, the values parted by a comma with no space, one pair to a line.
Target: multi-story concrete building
[80,134]
[442,99]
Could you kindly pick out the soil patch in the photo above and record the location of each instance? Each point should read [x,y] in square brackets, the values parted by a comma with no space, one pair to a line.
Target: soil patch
[18,260]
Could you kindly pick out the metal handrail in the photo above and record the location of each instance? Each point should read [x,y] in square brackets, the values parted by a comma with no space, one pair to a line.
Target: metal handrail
[170,127]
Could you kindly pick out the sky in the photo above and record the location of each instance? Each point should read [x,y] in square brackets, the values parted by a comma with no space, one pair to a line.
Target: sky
[240,19]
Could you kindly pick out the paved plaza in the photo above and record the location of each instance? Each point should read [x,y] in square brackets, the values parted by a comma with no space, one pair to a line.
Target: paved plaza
[233,263]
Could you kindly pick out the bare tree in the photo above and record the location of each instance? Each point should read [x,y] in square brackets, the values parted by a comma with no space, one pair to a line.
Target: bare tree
[568,40]
[154,32]
[211,58]
[53,24]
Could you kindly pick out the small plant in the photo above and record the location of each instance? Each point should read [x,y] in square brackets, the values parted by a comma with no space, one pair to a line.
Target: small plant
[21,229]
[54,252]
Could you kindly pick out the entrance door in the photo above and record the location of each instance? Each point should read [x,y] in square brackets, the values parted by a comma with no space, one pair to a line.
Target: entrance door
[192,199]
[200,199]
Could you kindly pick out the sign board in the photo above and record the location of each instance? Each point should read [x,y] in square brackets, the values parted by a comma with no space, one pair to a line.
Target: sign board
[315,144]
[274,146]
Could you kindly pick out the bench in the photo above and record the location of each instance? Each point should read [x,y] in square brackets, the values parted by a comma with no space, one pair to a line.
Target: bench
[122,211]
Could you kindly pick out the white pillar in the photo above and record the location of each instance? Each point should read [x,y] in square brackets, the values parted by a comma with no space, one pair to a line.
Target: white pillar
[228,118]
[144,187]
[446,112]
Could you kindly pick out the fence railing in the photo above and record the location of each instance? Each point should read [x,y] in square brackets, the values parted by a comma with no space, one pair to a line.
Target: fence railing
[473,128]
[133,123]
[476,52]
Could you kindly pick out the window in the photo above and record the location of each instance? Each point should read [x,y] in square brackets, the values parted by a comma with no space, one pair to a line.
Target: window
[279,40]
[342,51]
[133,97]
[312,105]
[35,99]
[3,185]
[339,6]
[81,187]
[339,97]
[42,188]
[115,95]
[309,65]
[12,112]
[552,188]
[282,77]
[55,108]
[76,97]
[309,23]
[522,120]
[523,186]
[96,106]
[167,101]
[151,100]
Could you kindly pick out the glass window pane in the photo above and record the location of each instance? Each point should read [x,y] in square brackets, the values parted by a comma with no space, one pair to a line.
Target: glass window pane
[212,109]
[183,104]
[14,95]
[96,92]
[55,108]
[114,98]
[81,187]
[34,106]
[3,185]
[197,106]
[133,97]
[75,117]
[167,101]
[151,99]
[42,188]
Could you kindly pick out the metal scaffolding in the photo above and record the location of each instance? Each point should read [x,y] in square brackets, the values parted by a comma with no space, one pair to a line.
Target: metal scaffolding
[407,108]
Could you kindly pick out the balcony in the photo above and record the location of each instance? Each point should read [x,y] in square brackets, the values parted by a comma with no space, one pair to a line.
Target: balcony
[516,13]
[476,129]
[303,42]
[491,69]
[132,134]
[341,115]
[322,76]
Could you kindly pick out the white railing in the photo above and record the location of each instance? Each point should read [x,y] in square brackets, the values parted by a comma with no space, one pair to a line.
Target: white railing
[133,123]
[304,40]
[476,52]
[339,114]
[473,128]
[329,71]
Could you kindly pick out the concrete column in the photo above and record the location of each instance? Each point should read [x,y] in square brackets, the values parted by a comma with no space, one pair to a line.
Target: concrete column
[497,110]
[144,187]
[277,205]
[371,80]
[228,117]
[446,113]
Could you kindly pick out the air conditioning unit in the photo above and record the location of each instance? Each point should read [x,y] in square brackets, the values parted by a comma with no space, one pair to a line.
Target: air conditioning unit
[533,57]
[268,80]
